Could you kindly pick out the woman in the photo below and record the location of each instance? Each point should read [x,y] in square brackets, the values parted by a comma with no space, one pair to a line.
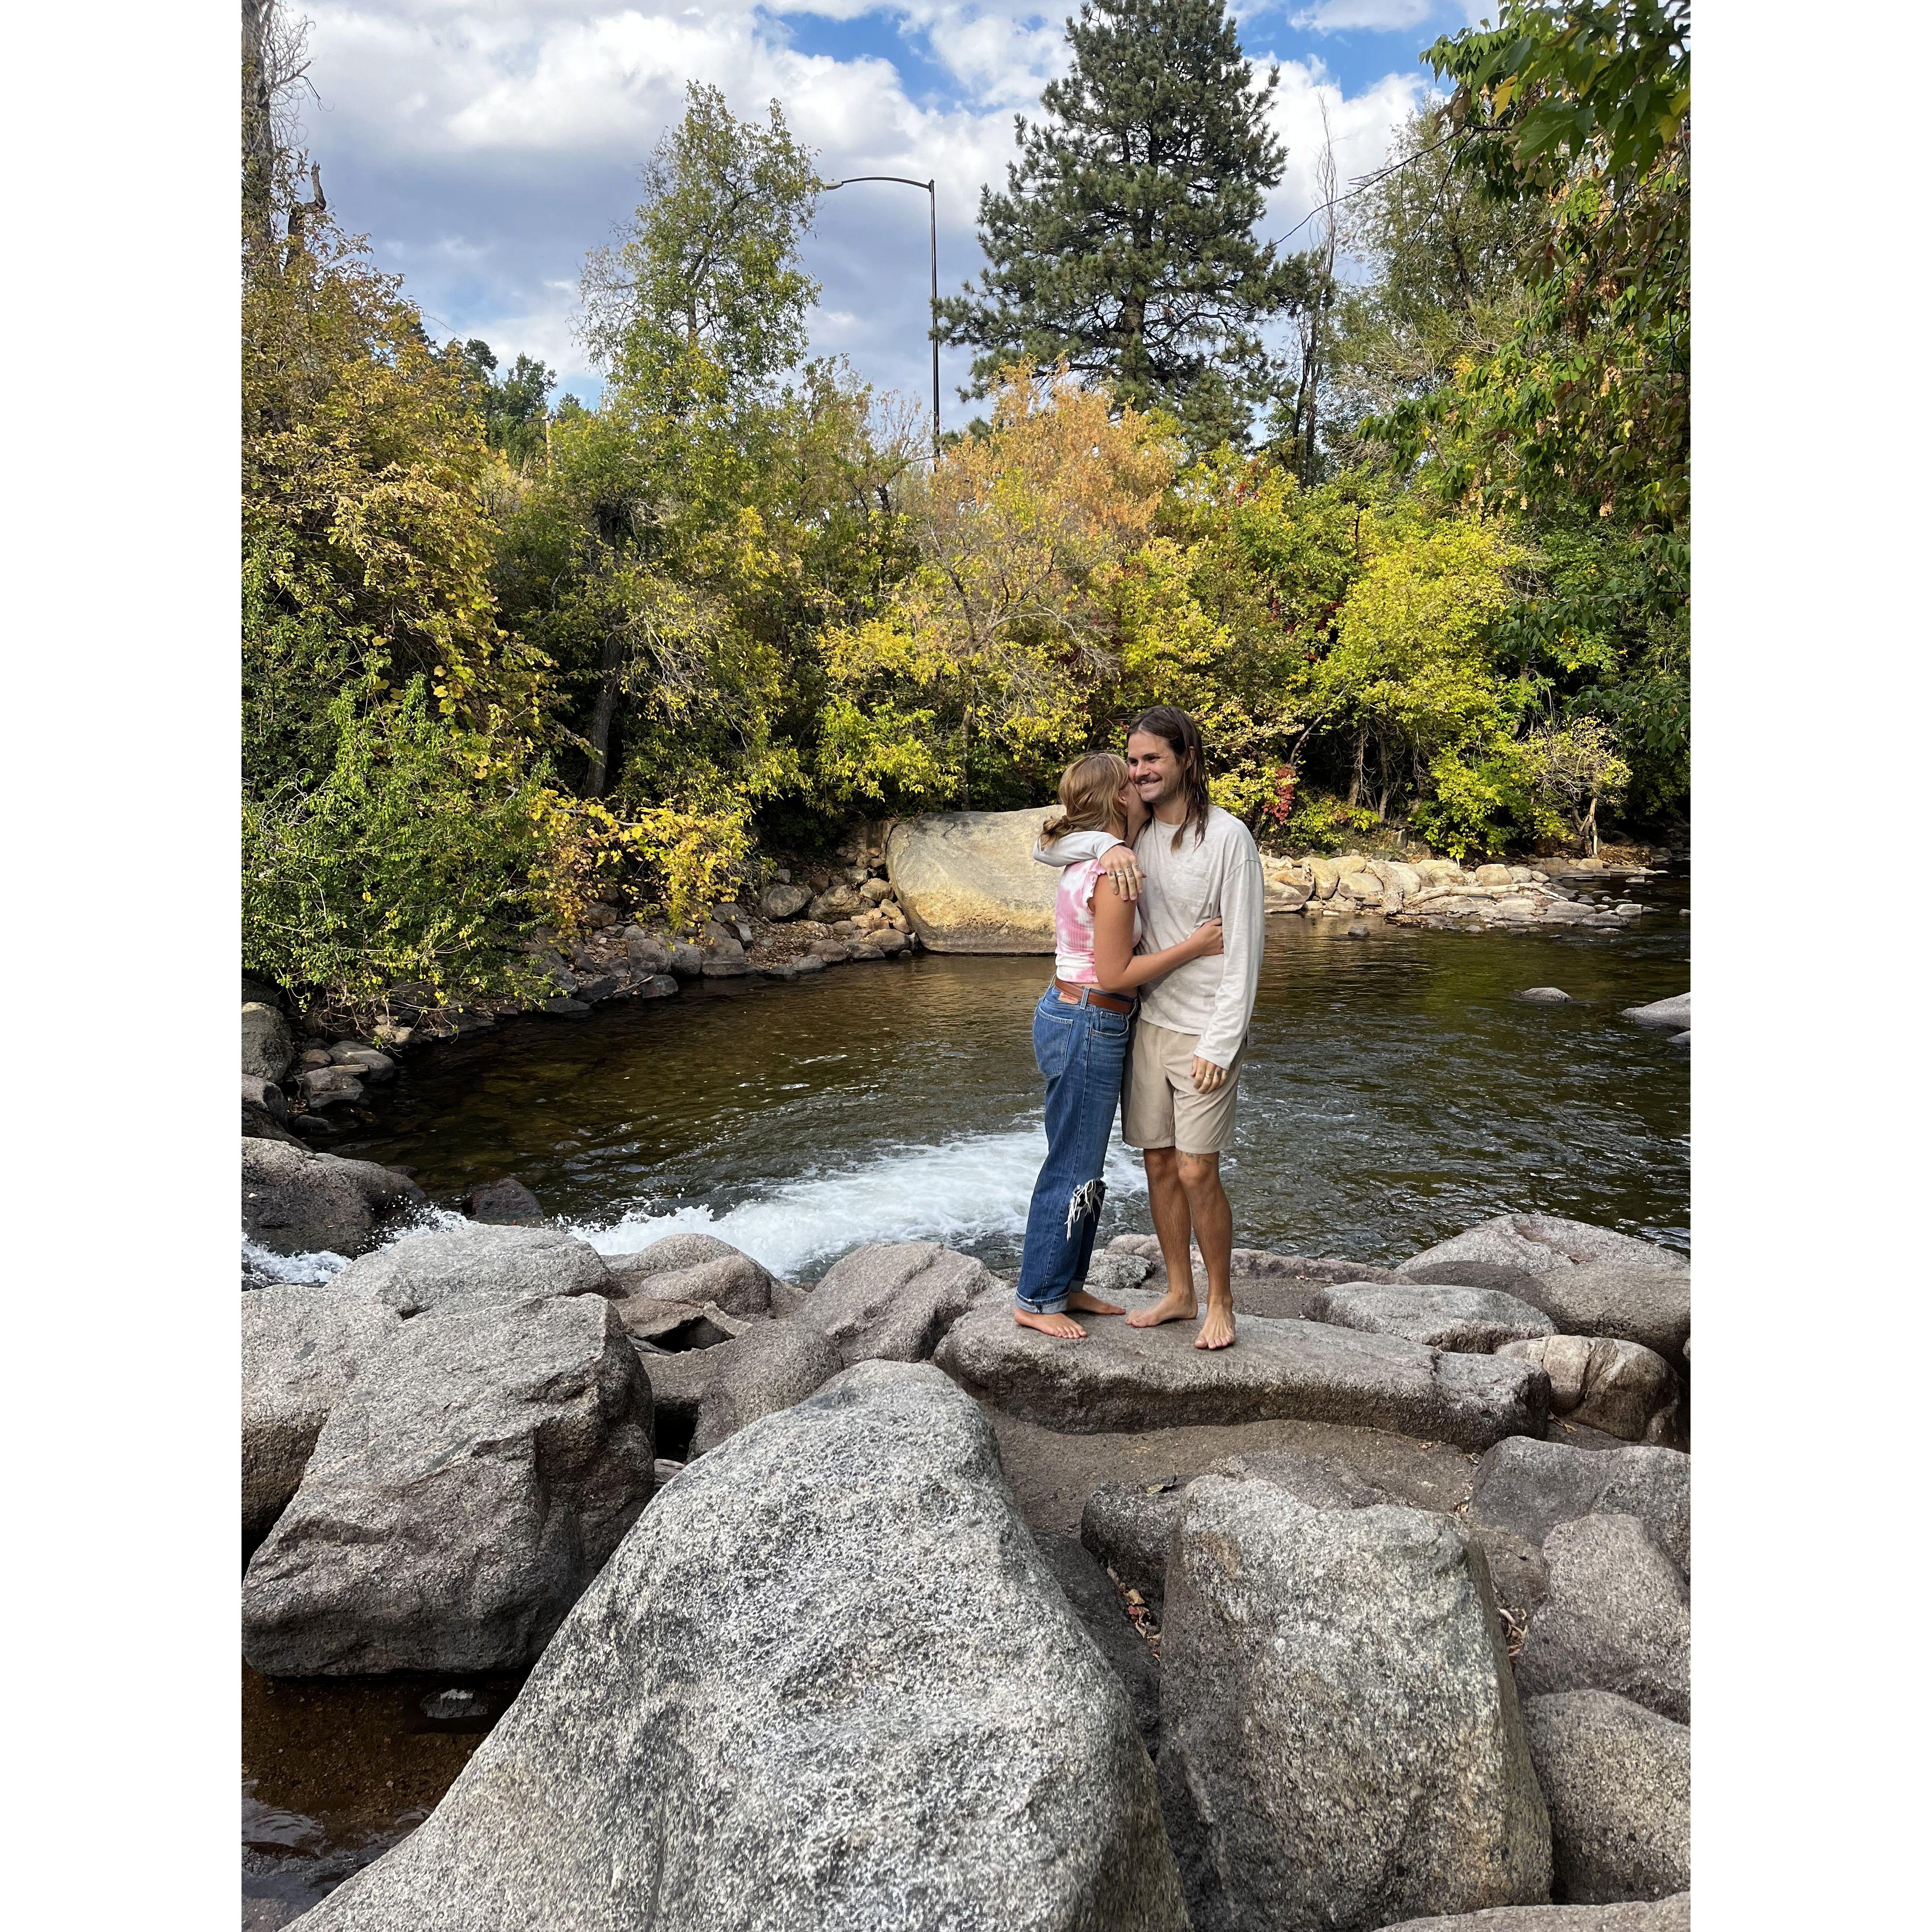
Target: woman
[1080,1033]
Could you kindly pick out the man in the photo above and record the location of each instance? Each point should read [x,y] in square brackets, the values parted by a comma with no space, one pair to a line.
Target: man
[1177,1100]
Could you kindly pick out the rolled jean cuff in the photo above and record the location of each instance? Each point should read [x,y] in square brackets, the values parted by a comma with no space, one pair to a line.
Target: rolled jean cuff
[1057,1305]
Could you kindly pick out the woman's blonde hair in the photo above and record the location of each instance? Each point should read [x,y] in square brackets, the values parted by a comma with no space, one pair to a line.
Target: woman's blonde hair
[1090,794]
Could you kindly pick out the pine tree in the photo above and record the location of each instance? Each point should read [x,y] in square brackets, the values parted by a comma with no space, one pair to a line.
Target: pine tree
[1124,244]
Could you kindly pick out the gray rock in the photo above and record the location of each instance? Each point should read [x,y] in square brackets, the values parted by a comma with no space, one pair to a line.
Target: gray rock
[797,967]
[268,1045]
[735,1281]
[1553,996]
[471,1481]
[1126,1527]
[455,1706]
[1673,1015]
[687,962]
[1518,1282]
[1340,1741]
[783,901]
[266,1095]
[1090,1593]
[295,1202]
[301,1349]
[1527,1489]
[504,1204]
[1319,1481]
[1618,1619]
[969,882]
[1670,1915]
[565,1008]
[1111,1272]
[1647,1305]
[1122,1378]
[328,1086]
[1538,1243]
[837,902]
[893,1301]
[1682,1039]
[1620,1388]
[1617,1779]
[1469,1321]
[671,1251]
[771,1366]
[647,954]
[827,1681]
[502,1263]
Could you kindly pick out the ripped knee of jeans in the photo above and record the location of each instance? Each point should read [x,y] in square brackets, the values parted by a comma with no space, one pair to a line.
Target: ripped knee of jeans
[1083,1204]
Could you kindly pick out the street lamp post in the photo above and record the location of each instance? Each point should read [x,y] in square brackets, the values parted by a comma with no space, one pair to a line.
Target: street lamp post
[931,188]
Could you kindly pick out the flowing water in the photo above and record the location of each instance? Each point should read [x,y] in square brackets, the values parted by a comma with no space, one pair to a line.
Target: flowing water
[1396,1090]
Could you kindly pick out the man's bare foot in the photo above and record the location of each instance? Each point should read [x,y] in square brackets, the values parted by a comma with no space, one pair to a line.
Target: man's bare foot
[1062,1327]
[1091,1304]
[1217,1331]
[1176,1305]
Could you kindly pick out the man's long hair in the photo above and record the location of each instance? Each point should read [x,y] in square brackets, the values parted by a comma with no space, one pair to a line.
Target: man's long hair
[1183,736]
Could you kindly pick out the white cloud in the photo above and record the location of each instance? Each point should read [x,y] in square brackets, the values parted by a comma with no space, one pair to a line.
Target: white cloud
[1335,16]
[487,146]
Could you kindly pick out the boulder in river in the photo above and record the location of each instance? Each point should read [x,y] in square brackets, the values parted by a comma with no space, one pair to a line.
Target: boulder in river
[893,1301]
[1618,1619]
[469,1482]
[504,1204]
[296,1202]
[1125,1378]
[1668,1914]
[771,1366]
[268,1045]
[1340,1740]
[735,1281]
[1672,1016]
[301,1349]
[1649,1305]
[1617,1779]
[827,1680]
[476,1260]
[1470,1321]
[969,883]
[1538,1243]
[1528,1488]
[1620,1388]
[1550,996]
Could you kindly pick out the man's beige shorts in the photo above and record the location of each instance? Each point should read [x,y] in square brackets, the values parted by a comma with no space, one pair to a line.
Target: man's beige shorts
[1159,1106]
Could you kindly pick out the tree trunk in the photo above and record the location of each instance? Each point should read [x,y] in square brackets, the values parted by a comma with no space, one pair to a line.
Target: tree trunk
[1356,782]
[258,139]
[605,715]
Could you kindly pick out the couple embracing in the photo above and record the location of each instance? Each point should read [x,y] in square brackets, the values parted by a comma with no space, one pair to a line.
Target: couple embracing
[1158,928]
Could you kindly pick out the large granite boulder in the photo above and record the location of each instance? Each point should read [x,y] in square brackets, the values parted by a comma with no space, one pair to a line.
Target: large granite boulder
[268,1045]
[734,1282]
[1540,1244]
[504,1263]
[771,1366]
[467,1485]
[1340,1741]
[1526,1488]
[1090,1593]
[1667,1915]
[1125,1378]
[1469,1321]
[893,1300]
[504,1204]
[301,1349]
[1620,1388]
[969,883]
[1672,1016]
[1617,1779]
[295,1202]
[1649,1306]
[826,1681]
[1618,1619]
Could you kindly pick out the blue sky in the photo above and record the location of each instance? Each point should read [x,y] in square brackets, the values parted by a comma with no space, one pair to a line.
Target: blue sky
[484,145]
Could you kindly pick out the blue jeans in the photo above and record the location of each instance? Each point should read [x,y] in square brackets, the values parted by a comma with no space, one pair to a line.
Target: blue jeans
[1081,1049]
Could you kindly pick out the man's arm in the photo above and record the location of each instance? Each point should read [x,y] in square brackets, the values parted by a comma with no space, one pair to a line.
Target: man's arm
[1244,927]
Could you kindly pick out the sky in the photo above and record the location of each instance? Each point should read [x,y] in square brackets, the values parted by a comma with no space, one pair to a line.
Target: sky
[484,147]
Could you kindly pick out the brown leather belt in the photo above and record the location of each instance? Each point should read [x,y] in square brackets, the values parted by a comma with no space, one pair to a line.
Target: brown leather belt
[1111,1002]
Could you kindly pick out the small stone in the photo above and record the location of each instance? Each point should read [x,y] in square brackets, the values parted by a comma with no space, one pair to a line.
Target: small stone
[1358,932]
[1550,995]
[446,1707]
[566,1008]
[784,901]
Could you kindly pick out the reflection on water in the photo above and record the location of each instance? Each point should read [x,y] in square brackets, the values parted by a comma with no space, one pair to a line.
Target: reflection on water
[1395,1091]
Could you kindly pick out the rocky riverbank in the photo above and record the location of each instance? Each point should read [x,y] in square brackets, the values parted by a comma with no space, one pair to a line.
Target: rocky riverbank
[803,1573]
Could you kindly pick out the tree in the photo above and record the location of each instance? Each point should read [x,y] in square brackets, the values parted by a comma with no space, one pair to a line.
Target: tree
[274,72]
[514,409]
[1124,247]
[706,283]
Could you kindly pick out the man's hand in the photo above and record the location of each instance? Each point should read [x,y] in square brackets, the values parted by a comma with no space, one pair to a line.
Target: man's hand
[1207,1075]
[1118,862]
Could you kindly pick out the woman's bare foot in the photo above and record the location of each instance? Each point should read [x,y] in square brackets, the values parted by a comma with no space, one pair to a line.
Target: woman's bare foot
[1177,1304]
[1217,1331]
[1091,1304]
[1064,1327]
